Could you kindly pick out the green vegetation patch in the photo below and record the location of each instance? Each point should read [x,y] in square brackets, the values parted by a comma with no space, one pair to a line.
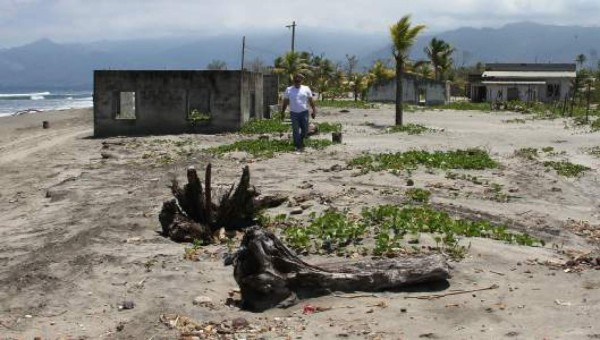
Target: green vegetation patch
[464,106]
[328,127]
[260,126]
[346,104]
[411,129]
[274,126]
[418,195]
[567,169]
[515,121]
[267,148]
[395,230]
[594,151]
[473,159]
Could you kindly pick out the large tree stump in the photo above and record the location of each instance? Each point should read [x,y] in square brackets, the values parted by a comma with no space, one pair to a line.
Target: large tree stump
[269,274]
[192,215]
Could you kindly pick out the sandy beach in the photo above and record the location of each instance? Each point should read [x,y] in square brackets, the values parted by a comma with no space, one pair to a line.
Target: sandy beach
[79,231]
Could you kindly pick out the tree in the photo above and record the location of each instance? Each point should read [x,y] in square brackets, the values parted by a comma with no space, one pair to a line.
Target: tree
[380,73]
[292,63]
[351,63]
[216,65]
[403,38]
[581,60]
[439,53]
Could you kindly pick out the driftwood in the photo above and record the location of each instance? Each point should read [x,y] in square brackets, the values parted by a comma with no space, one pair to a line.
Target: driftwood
[269,274]
[192,214]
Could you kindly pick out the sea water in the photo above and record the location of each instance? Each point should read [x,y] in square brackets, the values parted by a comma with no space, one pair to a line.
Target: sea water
[19,102]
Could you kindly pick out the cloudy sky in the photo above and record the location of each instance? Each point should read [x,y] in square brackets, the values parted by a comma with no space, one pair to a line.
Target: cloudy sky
[23,21]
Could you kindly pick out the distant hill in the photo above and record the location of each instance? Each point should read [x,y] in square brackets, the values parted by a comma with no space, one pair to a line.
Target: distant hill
[47,64]
[519,42]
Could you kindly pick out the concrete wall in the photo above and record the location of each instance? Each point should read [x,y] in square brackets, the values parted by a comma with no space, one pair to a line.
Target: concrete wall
[163,100]
[414,90]
[270,93]
[251,96]
[537,93]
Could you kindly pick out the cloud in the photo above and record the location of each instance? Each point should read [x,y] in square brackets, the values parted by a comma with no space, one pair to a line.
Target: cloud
[84,20]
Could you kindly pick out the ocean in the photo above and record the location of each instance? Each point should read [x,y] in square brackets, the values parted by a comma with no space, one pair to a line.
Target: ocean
[18,102]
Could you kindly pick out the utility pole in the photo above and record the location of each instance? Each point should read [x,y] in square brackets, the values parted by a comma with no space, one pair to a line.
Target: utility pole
[293,26]
[243,51]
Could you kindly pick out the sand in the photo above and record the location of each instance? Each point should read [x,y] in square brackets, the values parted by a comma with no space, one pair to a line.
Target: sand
[79,232]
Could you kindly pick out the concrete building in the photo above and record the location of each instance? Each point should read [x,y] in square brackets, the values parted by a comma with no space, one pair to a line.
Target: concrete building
[171,102]
[525,82]
[416,90]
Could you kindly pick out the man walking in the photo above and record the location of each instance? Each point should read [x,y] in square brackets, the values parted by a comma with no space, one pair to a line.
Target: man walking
[299,97]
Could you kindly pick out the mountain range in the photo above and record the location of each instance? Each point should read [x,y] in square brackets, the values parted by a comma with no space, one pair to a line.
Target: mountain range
[45,64]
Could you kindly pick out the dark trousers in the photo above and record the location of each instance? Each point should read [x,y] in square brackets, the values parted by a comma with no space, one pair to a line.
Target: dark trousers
[299,127]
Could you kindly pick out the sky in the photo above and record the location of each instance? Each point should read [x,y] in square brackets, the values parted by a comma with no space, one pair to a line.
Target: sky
[24,21]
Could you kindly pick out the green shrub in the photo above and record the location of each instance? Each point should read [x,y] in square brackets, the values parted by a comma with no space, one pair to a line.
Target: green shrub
[567,169]
[411,129]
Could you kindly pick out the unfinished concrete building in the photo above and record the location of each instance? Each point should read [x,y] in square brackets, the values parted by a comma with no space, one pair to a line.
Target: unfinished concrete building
[415,90]
[130,103]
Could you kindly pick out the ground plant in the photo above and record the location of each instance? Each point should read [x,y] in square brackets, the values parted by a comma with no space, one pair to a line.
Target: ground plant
[266,148]
[464,106]
[472,159]
[566,168]
[411,129]
[274,126]
[395,230]
[418,195]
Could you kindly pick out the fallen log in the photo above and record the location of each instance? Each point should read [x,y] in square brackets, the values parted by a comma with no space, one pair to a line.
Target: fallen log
[192,214]
[271,275]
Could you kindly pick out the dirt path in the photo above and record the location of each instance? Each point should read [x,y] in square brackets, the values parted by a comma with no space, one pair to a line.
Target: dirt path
[79,232]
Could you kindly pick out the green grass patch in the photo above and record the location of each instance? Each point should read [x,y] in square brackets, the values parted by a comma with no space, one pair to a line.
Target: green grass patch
[567,169]
[472,159]
[266,148]
[411,129]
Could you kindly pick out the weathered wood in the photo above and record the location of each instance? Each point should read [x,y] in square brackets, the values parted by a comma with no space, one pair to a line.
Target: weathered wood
[269,274]
[193,211]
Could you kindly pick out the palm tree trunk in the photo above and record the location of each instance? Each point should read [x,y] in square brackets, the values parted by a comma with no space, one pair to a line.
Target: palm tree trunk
[399,99]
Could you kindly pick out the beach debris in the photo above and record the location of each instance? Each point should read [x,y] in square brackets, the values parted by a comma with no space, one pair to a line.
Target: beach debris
[127,304]
[437,296]
[45,124]
[270,275]
[202,301]
[336,137]
[193,215]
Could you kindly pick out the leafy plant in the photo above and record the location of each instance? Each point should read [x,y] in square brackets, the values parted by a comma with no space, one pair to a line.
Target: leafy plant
[475,159]
[418,195]
[260,126]
[196,117]
[515,121]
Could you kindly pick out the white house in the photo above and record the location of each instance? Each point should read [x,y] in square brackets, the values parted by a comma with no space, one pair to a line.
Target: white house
[525,82]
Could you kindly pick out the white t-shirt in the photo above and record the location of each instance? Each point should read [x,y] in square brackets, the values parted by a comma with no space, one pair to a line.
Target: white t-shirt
[298,97]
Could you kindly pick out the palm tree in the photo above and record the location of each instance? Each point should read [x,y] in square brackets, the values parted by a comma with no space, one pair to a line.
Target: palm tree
[581,60]
[403,37]
[439,53]
[380,73]
[292,63]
